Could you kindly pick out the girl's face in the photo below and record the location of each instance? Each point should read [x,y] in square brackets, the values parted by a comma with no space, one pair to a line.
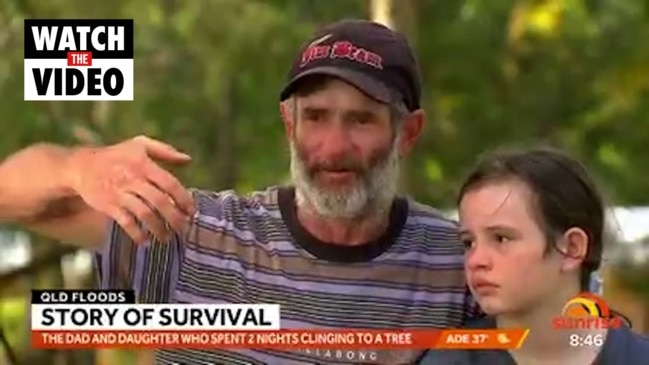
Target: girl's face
[509,269]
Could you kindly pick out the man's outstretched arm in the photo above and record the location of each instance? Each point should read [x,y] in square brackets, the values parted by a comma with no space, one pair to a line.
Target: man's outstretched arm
[71,194]
[36,191]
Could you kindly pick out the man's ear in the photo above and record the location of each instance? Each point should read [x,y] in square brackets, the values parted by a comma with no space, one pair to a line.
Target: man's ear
[286,111]
[411,129]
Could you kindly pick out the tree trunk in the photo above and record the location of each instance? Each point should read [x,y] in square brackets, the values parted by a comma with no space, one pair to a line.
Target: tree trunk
[381,11]
[225,172]
[404,19]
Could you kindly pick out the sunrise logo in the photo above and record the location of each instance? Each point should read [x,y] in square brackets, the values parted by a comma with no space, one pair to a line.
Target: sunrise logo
[586,311]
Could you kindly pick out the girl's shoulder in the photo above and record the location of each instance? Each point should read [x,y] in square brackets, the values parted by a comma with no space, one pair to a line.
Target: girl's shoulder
[624,345]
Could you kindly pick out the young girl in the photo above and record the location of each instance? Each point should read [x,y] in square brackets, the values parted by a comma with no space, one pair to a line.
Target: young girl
[532,223]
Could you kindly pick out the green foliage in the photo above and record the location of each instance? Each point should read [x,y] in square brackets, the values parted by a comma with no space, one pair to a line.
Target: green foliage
[635,279]
[208,73]
[574,73]
[12,318]
[632,271]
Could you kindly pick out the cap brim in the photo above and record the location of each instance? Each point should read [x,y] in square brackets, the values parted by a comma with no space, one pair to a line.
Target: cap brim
[365,83]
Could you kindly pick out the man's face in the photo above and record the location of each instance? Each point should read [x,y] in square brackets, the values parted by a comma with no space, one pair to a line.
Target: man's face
[344,155]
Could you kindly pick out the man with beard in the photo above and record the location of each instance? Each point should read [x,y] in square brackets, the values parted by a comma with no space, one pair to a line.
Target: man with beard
[336,249]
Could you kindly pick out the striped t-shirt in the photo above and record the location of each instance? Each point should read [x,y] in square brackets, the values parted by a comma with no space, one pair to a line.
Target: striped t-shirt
[252,249]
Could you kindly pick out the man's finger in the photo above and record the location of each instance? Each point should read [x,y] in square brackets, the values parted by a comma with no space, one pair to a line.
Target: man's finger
[163,152]
[146,214]
[172,187]
[161,203]
[129,225]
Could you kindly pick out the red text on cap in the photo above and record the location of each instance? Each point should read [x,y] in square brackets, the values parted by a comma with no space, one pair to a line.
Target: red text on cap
[342,49]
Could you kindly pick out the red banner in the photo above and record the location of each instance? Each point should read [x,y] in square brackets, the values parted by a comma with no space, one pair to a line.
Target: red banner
[284,339]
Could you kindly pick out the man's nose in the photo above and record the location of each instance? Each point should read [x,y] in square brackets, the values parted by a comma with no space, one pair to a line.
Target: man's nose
[336,140]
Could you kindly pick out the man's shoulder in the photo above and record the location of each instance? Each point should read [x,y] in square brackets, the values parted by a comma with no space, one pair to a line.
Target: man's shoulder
[424,214]
[431,225]
[213,202]
[266,195]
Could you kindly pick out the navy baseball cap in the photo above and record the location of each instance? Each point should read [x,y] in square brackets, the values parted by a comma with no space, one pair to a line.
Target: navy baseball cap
[372,57]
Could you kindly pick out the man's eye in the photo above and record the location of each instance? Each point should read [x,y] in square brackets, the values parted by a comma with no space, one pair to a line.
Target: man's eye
[362,120]
[313,117]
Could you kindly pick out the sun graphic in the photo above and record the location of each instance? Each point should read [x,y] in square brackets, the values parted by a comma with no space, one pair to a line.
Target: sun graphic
[586,305]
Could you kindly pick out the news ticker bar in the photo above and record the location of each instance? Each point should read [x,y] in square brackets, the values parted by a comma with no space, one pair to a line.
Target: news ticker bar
[78,319]
[349,339]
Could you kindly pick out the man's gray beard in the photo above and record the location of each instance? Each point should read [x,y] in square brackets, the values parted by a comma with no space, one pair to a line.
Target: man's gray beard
[370,195]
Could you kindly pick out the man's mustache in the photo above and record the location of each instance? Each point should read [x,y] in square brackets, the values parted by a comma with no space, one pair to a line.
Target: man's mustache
[346,164]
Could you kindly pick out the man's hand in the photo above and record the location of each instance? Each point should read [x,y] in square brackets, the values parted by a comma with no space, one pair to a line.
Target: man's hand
[125,182]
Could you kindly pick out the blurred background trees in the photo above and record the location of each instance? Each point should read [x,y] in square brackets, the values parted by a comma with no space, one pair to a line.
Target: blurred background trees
[573,73]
